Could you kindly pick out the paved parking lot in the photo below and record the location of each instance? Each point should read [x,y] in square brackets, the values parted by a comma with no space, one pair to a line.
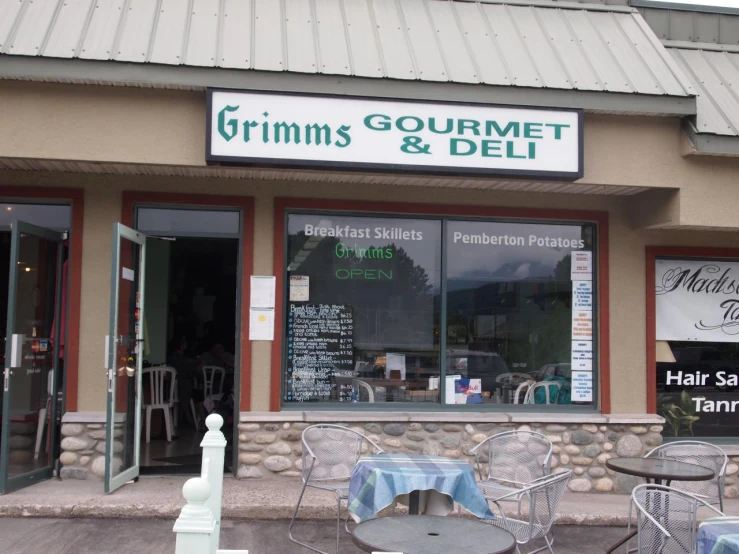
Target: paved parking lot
[118,536]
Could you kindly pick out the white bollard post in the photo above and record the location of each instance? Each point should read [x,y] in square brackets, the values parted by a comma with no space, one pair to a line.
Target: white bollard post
[214,450]
[195,526]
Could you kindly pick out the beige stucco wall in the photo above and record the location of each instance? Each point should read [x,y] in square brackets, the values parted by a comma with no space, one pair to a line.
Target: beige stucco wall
[108,124]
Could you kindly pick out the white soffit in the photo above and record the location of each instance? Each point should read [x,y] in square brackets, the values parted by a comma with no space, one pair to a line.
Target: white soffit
[24,164]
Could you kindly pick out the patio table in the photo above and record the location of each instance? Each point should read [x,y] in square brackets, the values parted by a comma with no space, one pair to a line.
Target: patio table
[432,535]
[378,481]
[658,471]
[719,535]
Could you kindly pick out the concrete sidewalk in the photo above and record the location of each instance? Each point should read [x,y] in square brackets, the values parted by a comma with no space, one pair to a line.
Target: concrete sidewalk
[161,498]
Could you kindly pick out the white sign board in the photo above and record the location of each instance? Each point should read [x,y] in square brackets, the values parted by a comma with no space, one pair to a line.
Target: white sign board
[582,355]
[697,300]
[581,265]
[582,386]
[299,288]
[582,325]
[329,132]
[582,295]
[261,324]
[262,291]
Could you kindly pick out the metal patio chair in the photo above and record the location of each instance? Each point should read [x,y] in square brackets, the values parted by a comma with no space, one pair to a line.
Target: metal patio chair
[666,520]
[515,459]
[702,454]
[530,397]
[537,506]
[330,453]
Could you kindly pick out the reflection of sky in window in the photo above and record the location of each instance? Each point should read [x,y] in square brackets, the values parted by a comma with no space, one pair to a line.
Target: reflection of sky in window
[425,252]
[44,215]
[483,261]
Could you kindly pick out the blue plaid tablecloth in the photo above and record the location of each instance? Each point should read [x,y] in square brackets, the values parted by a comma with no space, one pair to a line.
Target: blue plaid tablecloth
[719,535]
[377,481]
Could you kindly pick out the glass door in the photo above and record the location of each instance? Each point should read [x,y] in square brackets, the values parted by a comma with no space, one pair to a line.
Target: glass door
[29,412]
[123,348]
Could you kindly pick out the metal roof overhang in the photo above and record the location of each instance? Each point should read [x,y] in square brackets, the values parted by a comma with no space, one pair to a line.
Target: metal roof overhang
[78,71]
[708,144]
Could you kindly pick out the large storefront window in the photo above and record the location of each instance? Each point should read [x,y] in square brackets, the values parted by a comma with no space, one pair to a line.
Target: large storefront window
[373,308]
[697,350]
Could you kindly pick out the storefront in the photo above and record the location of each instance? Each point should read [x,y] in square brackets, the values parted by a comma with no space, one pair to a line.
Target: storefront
[429,260]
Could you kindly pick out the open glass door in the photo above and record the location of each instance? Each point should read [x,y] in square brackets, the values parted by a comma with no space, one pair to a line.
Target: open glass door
[29,412]
[123,348]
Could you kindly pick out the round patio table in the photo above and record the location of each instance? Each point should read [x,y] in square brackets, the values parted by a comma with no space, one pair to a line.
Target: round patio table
[432,535]
[657,471]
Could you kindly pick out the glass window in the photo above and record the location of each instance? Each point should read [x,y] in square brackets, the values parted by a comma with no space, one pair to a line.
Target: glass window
[51,216]
[519,313]
[697,350]
[167,220]
[363,309]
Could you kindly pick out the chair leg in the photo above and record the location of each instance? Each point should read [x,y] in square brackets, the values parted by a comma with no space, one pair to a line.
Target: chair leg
[40,432]
[168,423]
[292,522]
[148,424]
[338,522]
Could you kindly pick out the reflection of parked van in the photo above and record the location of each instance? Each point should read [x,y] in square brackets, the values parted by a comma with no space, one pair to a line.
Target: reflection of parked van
[474,364]
[548,370]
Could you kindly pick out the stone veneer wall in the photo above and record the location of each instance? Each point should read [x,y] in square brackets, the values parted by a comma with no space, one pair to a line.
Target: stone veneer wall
[272,449]
[270,443]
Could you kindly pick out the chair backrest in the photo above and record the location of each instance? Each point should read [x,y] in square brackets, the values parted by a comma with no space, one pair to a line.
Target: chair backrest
[517,456]
[157,378]
[363,390]
[330,452]
[702,454]
[543,499]
[509,377]
[550,398]
[520,395]
[209,379]
[666,519]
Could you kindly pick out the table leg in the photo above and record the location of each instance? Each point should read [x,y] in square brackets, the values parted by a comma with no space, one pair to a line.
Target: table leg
[414,499]
[627,538]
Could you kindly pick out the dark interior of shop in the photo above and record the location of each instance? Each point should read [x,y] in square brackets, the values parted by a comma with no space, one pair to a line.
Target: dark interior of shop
[190,323]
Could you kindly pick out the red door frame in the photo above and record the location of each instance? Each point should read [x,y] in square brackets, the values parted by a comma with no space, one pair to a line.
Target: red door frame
[246,204]
[76,198]
[397,208]
[652,253]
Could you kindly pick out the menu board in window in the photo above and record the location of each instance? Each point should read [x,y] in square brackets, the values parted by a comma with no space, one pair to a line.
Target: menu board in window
[320,352]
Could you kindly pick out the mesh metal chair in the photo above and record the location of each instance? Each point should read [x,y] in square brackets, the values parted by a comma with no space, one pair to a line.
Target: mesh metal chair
[330,453]
[537,507]
[702,454]
[515,459]
[666,520]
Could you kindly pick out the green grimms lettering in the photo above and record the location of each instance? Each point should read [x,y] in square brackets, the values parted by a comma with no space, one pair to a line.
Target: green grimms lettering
[400,124]
[471,124]
[377,122]
[557,129]
[290,130]
[320,134]
[343,132]
[491,126]
[448,129]
[530,128]
[454,147]
[232,123]
[247,128]
[510,146]
[491,149]
[532,150]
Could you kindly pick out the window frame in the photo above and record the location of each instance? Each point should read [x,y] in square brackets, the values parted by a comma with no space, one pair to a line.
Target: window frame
[284,207]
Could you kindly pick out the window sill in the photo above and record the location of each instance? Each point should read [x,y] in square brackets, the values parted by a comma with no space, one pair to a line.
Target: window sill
[330,416]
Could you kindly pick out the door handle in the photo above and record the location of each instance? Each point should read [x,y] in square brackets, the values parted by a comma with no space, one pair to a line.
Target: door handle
[6,379]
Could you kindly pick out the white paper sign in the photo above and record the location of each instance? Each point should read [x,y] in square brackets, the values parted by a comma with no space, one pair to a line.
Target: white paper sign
[582,386]
[449,392]
[581,267]
[582,355]
[262,292]
[697,300]
[299,288]
[261,324]
[582,325]
[302,130]
[127,274]
[582,295]
[394,362]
